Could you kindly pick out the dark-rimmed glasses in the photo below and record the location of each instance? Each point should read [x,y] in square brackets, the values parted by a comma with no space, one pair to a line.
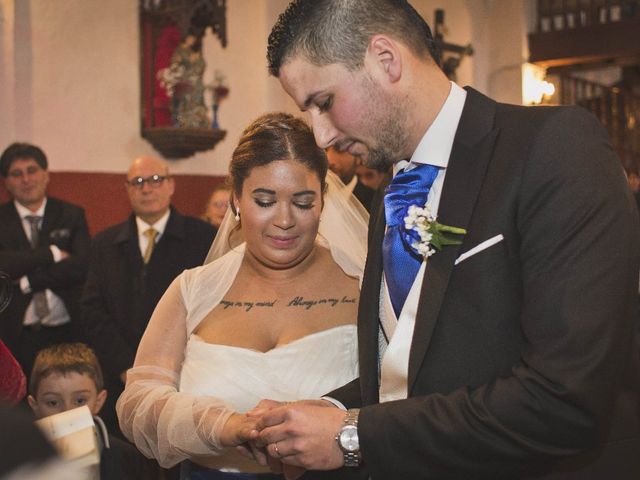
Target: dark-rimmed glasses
[154,181]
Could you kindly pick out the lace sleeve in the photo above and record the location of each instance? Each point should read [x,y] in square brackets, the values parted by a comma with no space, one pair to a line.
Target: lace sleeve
[164,423]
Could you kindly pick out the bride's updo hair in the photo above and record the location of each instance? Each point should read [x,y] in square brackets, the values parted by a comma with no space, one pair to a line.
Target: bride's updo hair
[272,137]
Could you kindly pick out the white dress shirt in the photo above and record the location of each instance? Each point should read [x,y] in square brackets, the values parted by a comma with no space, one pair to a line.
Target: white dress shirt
[58,314]
[143,226]
[434,149]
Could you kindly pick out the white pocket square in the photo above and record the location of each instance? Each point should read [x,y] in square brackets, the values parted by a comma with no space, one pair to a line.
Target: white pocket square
[480,247]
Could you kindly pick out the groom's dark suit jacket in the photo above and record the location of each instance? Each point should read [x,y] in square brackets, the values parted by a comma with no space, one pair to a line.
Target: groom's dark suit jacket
[522,358]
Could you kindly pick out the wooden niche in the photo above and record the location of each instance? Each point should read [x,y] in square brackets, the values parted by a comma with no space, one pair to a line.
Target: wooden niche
[174,116]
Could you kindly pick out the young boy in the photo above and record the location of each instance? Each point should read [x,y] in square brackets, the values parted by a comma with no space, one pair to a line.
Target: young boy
[67,376]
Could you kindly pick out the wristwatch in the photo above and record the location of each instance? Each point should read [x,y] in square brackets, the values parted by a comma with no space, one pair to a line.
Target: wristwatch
[347,439]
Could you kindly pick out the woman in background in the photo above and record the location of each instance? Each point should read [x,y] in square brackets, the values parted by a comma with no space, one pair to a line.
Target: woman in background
[217,205]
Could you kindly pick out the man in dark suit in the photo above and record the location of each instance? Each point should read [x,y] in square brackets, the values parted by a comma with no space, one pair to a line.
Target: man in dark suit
[130,267]
[508,355]
[44,247]
[344,165]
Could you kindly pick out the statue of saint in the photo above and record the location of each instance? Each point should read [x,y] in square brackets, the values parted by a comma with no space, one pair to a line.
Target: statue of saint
[188,109]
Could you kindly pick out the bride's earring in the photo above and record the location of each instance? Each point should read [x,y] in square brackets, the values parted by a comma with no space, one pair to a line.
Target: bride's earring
[237,214]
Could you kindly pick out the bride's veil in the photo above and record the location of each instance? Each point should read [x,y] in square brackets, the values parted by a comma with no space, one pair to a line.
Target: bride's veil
[343,228]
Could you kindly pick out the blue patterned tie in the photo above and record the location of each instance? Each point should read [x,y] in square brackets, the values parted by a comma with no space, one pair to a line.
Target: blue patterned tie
[400,262]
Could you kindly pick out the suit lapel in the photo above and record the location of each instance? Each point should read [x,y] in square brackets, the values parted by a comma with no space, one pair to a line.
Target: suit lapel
[368,310]
[14,228]
[52,213]
[470,156]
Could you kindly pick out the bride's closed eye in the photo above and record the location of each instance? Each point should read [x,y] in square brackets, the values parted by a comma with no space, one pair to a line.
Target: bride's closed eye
[304,206]
[264,203]
[269,203]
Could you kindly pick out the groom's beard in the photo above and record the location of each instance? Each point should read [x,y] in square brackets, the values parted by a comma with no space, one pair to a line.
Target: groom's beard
[386,122]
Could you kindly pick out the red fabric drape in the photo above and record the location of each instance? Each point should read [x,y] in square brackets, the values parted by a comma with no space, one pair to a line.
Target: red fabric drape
[156,95]
[13,383]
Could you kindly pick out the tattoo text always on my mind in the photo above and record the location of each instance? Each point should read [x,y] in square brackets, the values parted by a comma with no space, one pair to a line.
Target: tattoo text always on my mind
[297,301]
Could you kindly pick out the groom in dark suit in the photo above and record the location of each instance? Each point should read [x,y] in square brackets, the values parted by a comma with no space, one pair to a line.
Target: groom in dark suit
[508,355]
[44,247]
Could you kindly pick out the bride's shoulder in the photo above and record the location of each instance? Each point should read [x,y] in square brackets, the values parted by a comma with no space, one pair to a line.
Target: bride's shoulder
[330,258]
[342,259]
[229,260]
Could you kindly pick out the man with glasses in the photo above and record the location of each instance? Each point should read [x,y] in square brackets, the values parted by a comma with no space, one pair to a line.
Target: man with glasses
[44,247]
[131,266]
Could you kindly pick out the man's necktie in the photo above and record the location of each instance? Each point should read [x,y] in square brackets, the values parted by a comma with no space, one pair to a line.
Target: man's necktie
[400,262]
[151,234]
[39,298]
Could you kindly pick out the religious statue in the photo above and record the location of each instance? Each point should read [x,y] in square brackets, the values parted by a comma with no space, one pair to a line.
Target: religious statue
[183,81]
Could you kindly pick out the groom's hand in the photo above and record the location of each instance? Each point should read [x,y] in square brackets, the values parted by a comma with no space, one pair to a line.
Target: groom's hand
[302,434]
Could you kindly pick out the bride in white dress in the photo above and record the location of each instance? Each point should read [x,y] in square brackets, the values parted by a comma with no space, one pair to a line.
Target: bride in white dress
[272,316]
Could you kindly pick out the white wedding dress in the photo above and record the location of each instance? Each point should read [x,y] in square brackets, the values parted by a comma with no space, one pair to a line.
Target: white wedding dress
[174,415]
[182,390]
[306,368]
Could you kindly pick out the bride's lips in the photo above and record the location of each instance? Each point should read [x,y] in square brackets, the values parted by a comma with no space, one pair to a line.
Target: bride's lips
[281,241]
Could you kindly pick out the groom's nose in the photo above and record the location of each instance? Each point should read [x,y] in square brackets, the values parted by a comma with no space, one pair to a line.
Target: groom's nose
[323,130]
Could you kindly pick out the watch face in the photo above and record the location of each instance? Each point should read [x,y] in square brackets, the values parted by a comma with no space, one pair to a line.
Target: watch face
[349,438]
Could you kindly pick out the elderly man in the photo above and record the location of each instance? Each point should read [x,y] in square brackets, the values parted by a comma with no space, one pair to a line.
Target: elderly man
[44,247]
[130,267]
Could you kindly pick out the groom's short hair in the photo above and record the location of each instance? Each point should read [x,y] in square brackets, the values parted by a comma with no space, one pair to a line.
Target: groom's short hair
[338,31]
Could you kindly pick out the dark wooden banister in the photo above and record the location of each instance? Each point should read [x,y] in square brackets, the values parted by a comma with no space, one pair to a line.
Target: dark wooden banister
[618,110]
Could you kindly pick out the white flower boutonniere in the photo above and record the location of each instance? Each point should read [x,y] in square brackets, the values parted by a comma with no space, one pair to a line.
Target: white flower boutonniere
[426,234]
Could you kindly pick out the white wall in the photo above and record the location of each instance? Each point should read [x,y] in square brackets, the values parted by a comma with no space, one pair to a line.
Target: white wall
[499,32]
[77,81]
[7,72]
[85,86]
[70,80]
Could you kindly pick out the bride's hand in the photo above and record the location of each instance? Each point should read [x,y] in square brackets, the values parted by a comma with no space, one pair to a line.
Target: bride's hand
[265,405]
[239,429]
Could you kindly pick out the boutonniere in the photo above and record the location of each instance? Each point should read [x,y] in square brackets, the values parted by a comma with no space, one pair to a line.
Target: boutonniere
[426,234]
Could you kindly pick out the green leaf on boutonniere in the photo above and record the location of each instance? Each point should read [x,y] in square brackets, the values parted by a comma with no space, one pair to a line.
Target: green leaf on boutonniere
[442,235]
[432,235]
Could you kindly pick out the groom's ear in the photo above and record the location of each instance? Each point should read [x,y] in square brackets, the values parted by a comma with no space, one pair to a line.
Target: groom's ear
[384,56]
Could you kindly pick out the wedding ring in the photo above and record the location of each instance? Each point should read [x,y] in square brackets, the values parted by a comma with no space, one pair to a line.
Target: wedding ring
[275,447]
